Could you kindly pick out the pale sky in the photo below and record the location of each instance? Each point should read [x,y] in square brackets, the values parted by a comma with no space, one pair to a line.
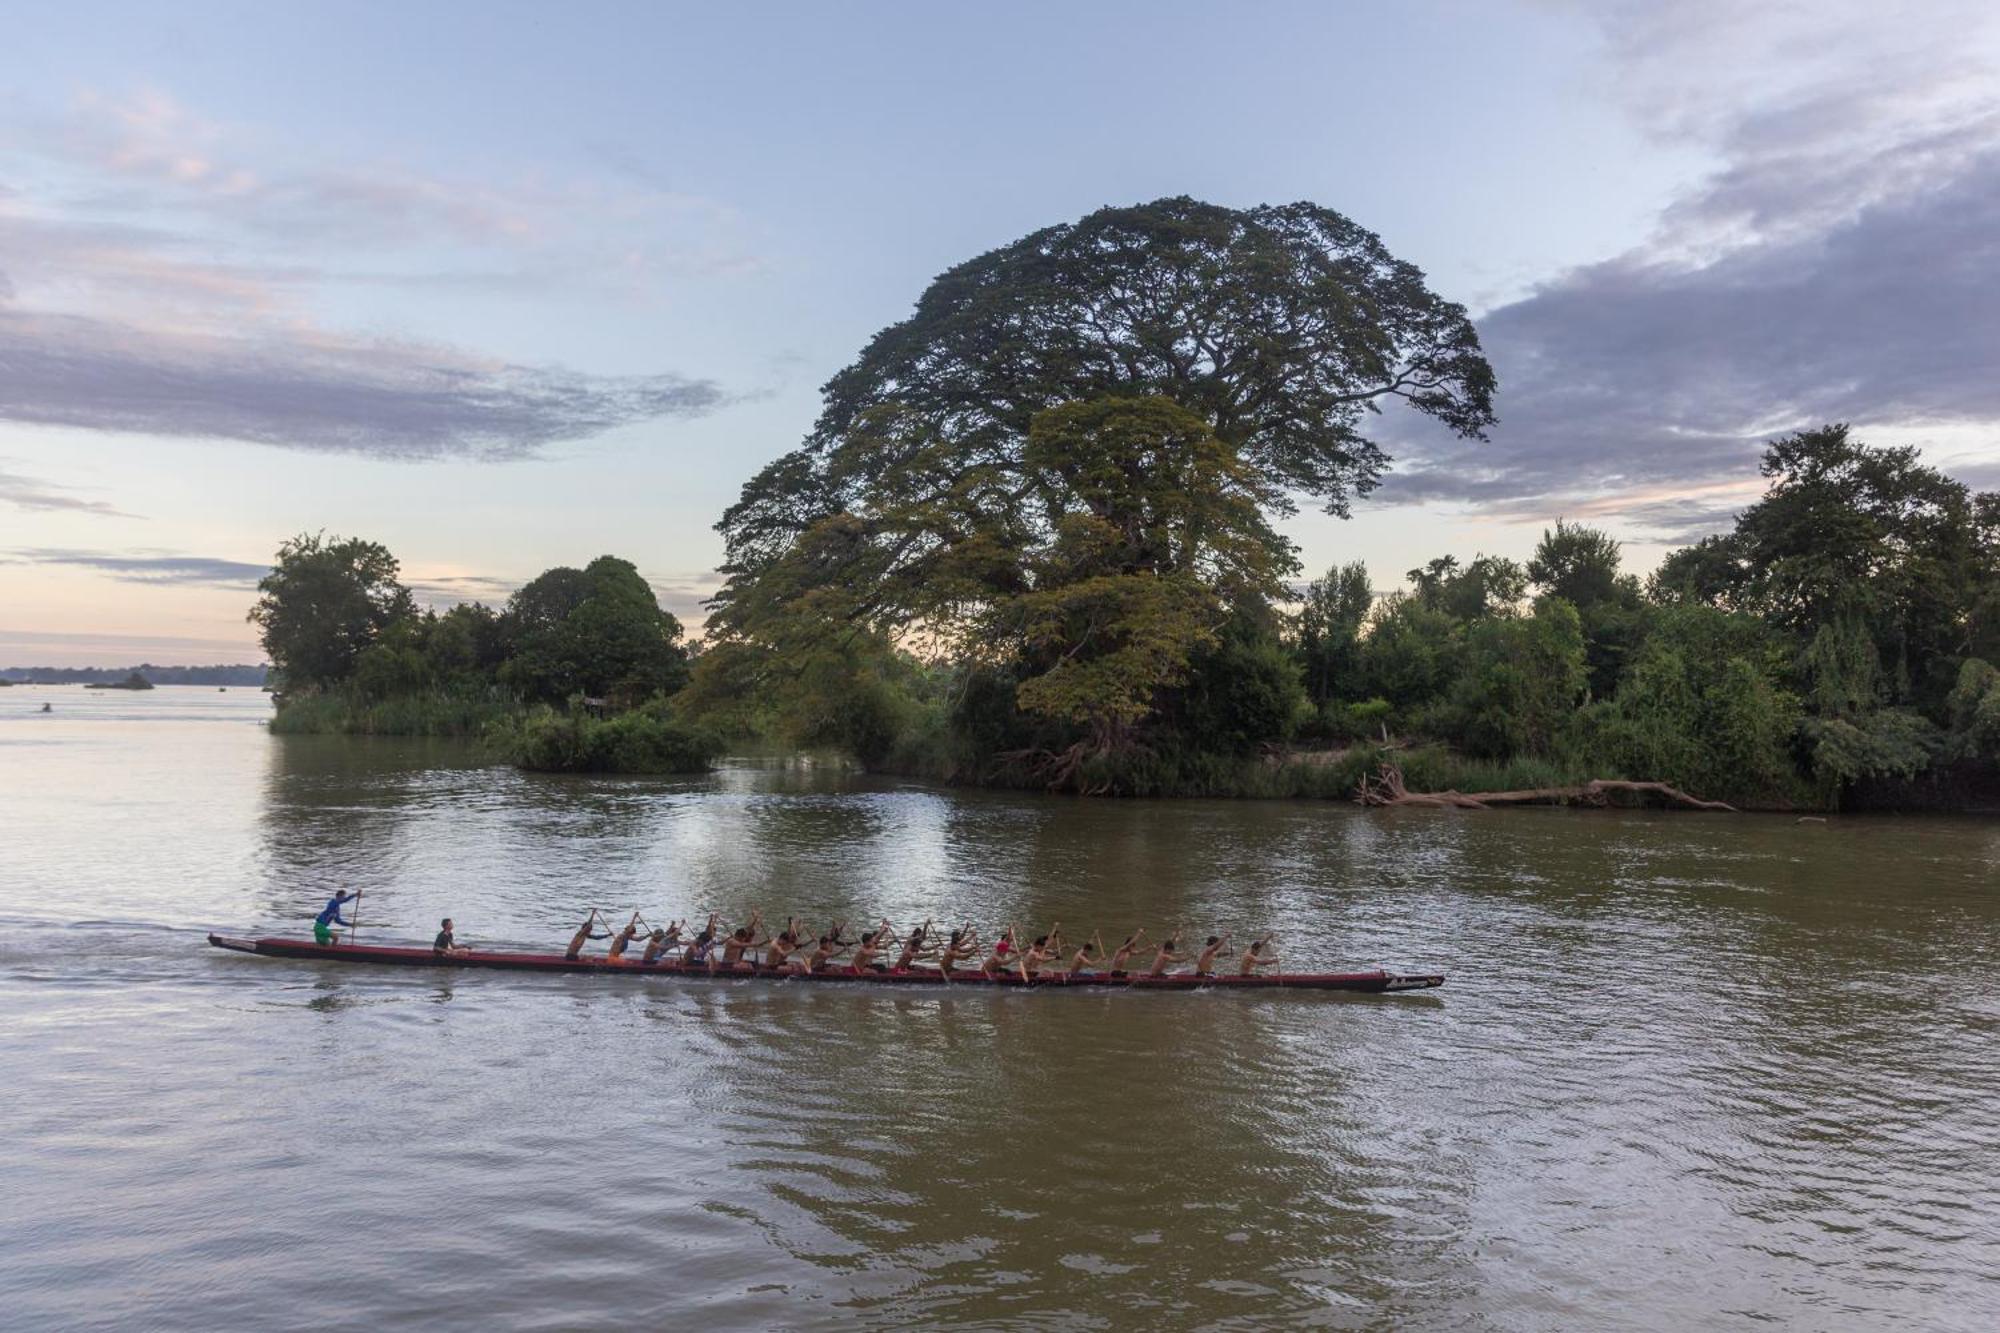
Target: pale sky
[506,286]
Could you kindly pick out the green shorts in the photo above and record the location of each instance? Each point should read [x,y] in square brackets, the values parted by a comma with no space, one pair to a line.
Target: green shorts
[322,933]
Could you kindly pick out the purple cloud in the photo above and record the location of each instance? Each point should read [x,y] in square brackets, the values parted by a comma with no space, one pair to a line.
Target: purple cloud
[1839,265]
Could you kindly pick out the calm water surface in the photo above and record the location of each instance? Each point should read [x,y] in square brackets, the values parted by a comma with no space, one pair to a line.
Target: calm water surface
[1687,1072]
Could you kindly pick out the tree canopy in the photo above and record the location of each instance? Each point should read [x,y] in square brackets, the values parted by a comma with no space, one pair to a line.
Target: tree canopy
[1067,462]
[1281,327]
[334,617]
[326,601]
[596,631]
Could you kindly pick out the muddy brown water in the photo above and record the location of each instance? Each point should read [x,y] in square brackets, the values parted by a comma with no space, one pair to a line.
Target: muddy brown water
[1687,1071]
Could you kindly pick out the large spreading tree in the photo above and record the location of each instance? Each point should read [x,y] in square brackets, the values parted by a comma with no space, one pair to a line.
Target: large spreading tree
[325,602]
[1069,458]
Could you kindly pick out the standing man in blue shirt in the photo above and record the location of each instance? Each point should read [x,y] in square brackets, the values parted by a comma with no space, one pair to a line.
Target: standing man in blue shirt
[330,917]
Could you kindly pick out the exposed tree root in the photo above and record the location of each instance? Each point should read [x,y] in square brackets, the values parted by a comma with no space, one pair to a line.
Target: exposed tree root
[1387,789]
[1059,770]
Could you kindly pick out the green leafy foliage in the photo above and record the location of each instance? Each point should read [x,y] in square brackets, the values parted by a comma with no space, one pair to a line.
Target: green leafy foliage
[1577,564]
[1412,652]
[324,603]
[1331,617]
[357,657]
[1136,533]
[598,631]
[1705,706]
[1580,565]
[645,740]
[1894,742]
[1974,709]
[1244,692]
[857,694]
[1281,328]
[1521,680]
[1491,585]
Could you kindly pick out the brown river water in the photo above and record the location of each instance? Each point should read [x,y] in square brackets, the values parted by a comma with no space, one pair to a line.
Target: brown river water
[1687,1071]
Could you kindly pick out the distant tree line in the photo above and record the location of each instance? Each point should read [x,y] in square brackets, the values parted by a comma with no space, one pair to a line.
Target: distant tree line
[241,674]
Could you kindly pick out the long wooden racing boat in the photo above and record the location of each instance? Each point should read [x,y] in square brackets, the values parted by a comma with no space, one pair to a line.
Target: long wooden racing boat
[1375,982]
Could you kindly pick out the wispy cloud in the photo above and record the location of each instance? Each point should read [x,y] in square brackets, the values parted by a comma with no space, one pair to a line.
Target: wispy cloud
[682,594]
[148,152]
[37,648]
[1838,265]
[34,494]
[440,591]
[163,274]
[388,400]
[147,566]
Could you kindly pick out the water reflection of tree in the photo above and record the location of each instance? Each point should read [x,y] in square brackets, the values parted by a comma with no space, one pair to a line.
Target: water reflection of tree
[428,829]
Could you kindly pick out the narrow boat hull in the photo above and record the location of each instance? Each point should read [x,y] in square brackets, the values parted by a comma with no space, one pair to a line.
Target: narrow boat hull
[1373,982]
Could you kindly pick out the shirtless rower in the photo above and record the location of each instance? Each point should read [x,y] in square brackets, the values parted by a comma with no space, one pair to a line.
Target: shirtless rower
[830,947]
[698,947]
[872,943]
[1004,952]
[1044,948]
[961,947]
[1125,951]
[1166,957]
[1204,964]
[740,942]
[585,935]
[615,951]
[1254,957]
[1089,956]
[660,943]
[779,953]
[915,948]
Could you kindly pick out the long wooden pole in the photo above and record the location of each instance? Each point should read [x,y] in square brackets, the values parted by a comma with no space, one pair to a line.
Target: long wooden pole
[355,924]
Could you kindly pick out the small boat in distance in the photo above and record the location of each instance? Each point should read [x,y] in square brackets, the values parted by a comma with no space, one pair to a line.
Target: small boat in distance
[1376,982]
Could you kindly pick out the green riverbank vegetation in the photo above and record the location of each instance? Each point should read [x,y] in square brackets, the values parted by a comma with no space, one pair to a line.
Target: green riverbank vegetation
[1033,540]
[572,674]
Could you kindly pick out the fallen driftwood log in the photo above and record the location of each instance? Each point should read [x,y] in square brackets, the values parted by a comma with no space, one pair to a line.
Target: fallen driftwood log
[1387,789]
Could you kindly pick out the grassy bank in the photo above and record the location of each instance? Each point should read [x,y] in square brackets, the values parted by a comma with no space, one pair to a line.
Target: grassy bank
[437,715]
[1323,775]
[541,739]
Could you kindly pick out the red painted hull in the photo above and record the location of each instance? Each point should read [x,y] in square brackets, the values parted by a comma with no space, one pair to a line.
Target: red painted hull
[1375,982]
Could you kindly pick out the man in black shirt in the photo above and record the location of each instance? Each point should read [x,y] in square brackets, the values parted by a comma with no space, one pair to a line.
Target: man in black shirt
[443,946]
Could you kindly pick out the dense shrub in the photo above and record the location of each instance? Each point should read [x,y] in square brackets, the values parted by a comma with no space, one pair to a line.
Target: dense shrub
[646,740]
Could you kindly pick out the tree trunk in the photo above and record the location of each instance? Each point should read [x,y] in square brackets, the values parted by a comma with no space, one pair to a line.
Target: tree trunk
[1387,789]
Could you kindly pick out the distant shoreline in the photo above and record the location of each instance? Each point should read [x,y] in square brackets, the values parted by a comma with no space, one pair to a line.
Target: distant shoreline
[233,674]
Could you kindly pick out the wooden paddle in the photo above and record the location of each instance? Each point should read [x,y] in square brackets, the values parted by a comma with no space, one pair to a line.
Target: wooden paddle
[354,923]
